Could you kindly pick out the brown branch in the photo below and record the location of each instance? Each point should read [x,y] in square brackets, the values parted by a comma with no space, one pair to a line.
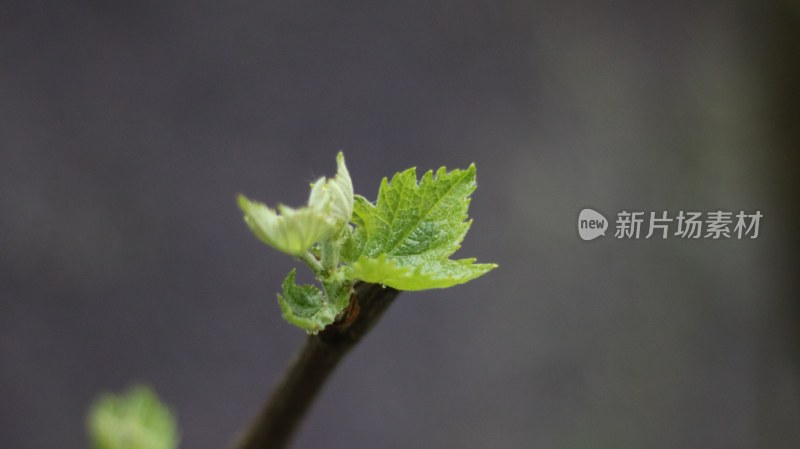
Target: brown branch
[294,394]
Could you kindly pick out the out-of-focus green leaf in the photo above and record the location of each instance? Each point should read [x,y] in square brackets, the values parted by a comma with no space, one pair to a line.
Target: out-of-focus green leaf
[134,420]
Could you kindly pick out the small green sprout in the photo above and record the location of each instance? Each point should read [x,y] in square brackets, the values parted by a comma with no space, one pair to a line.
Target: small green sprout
[403,241]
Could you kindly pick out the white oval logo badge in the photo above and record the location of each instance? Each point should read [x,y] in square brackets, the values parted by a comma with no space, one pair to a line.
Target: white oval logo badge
[591,224]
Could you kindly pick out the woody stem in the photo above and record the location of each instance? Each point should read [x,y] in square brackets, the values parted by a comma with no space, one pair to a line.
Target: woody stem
[291,398]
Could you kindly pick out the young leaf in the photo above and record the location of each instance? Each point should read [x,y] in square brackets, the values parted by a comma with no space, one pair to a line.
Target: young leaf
[334,195]
[406,238]
[425,275]
[294,231]
[308,307]
[136,420]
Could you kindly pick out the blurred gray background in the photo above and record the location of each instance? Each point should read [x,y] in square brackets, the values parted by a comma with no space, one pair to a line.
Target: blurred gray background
[127,129]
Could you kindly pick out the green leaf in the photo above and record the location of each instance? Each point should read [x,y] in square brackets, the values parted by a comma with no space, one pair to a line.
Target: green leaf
[136,420]
[292,231]
[334,195]
[308,307]
[295,230]
[426,275]
[406,238]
